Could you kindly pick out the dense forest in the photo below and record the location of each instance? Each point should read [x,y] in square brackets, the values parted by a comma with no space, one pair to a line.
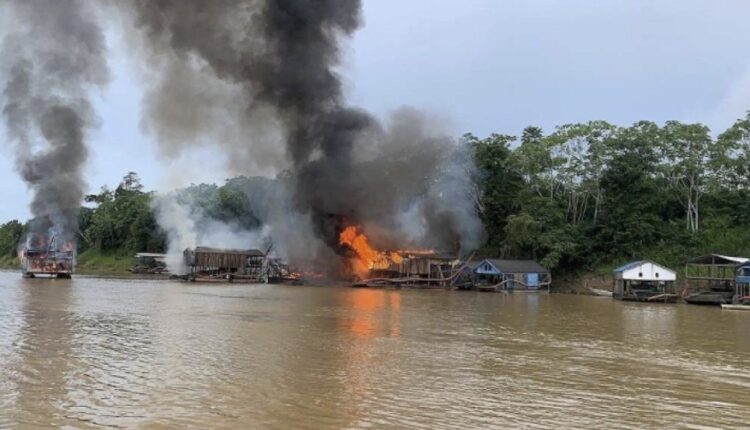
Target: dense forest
[583,197]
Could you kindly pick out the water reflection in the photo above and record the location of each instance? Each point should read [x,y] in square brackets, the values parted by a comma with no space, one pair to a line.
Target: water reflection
[170,355]
[371,313]
[44,367]
[646,323]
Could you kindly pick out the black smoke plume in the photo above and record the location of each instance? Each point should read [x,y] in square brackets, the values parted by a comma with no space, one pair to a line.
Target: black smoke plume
[53,55]
[281,57]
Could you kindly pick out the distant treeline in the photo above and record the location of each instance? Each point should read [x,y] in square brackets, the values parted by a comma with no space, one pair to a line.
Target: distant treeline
[590,195]
[122,220]
[584,196]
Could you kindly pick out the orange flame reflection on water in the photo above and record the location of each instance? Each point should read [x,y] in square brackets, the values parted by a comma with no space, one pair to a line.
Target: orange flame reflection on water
[374,313]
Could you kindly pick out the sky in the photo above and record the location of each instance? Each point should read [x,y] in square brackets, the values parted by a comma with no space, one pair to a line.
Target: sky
[480,66]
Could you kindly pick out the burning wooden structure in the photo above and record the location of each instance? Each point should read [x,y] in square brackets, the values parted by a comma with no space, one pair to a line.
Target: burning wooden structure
[419,268]
[644,281]
[149,263]
[281,272]
[47,256]
[204,263]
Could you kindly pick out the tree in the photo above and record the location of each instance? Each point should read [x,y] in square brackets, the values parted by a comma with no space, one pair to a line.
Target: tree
[122,220]
[730,159]
[579,154]
[131,182]
[11,235]
[687,153]
[500,182]
[631,196]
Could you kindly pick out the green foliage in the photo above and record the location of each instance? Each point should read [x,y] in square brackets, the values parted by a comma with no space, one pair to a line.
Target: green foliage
[122,220]
[227,203]
[586,196]
[11,234]
[594,195]
[105,261]
[500,182]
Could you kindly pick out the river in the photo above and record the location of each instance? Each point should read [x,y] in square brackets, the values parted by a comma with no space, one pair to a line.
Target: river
[91,352]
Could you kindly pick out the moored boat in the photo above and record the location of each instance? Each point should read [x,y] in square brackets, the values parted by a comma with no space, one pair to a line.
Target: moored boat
[649,296]
[599,292]
[735,307]
[710,298]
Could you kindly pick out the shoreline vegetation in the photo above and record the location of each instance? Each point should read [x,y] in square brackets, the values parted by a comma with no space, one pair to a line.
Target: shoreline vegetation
[90,262]
[581,200]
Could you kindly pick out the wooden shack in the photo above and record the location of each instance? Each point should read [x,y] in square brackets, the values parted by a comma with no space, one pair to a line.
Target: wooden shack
[230,264]
[712,277]
[418,269]
[644,281]
[512,275]
[427,269]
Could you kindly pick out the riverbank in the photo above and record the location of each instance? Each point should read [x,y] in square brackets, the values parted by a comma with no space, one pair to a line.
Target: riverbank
[116,264]
[89,262]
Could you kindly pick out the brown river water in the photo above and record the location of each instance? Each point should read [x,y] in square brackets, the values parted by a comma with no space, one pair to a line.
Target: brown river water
[91,352]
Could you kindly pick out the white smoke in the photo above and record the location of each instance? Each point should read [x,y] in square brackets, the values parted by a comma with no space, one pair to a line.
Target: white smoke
[186,226]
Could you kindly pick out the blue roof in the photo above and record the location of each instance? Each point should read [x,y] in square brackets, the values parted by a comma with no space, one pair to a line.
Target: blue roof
[630,265]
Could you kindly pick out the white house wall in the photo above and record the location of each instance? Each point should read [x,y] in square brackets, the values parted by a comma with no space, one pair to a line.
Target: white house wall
[649,271]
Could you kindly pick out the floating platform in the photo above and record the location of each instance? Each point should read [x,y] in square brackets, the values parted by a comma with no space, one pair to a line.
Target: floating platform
[58,275]
[735,307]
[710,298]
[224,278]
[650,298]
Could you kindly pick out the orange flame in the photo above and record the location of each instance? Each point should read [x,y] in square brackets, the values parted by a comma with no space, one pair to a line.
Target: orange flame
[367,256]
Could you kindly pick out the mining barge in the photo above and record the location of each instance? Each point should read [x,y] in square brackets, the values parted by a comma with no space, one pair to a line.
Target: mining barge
[41,257]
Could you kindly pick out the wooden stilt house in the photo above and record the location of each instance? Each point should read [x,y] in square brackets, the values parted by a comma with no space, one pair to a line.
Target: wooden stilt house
[512,275]
[644,281]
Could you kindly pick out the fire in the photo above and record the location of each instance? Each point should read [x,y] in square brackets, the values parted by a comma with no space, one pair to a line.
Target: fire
[367,256]
[396,257]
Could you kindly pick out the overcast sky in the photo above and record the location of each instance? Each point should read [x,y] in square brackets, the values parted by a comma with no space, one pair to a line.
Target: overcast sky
[482,66]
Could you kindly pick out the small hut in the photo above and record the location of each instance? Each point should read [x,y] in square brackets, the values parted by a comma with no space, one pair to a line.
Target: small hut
[644,281]
[205,262]
[512,275]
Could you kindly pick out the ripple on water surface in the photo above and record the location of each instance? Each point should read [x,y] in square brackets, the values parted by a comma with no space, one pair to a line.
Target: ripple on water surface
[161,354]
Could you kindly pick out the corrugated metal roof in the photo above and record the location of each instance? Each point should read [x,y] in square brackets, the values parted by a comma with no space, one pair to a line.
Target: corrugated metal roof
[431,255]
[248,252]
[724,259]
[630,265]
[517,266]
